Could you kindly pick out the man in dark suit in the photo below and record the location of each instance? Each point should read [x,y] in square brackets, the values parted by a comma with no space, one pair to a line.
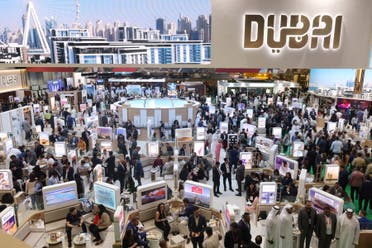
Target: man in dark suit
[325,227]
[306,223]
[197,225]
[239,177]
[189,209]
[216,179]
[245,228]
[226,168]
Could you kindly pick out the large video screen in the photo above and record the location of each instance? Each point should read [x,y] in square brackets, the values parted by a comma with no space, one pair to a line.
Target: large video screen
[60,195]
[106,194]
[153,195]
[284,165]
[104,133]
[331,78]
[268,193]
[6,180]
[8,221]
[198,193]
[320,199]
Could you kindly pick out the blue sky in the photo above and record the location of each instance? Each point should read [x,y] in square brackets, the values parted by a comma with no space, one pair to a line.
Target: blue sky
[331,77]
[136,12]
[368,78]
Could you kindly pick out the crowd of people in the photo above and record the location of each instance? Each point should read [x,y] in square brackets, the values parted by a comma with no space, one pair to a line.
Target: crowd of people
[123,166]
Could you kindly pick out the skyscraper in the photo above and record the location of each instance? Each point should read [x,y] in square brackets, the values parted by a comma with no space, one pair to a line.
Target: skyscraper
[202,28]
[50,23]
[115,31]
[90,28]
[184,25]
[108,32]
[160,25]
[171,28]
[100,28]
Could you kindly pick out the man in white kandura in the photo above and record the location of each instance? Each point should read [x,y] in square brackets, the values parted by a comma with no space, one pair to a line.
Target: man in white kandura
[347,231]
[272,228]
[286,227]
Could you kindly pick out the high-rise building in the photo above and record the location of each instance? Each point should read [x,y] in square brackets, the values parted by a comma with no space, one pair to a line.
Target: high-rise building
[184,25]
[202,27]
[89,26]
[160,25]
[100,29]
[171,28]
[115,32]
[50,23]
[108,32]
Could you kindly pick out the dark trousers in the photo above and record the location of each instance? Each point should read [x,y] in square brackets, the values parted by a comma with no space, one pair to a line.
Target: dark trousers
[227,177]
[161,170]
[197,241]
[164,226]
[366,201]
[239,182]
[68,231]
[216,187]
[305,235]
[352,191]
[95,231]
[325,242]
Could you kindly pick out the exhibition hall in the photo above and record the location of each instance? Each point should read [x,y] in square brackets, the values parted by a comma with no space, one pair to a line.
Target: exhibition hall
[186,123]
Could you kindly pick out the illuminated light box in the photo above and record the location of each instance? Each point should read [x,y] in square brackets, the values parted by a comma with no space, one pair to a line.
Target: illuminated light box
[153,149]
[106,194]
[199,148]
[268,191]
[8,146]
[250,113]
[119,223]
[331,126]
[277,132]
[6,180]
[298,149]
[261,122]
[198,193]
[270,101]
[106,145]
[183,134]
[320,199]
[331,173]
[200,133]
[150,195]
[250,129]
[263,143]
[246,158]
[60,195]
[44,138]
[8,221]
[3,136]
[104,133]
[232,139]
[284,164]
[60,149]
[224,127]
[83,107]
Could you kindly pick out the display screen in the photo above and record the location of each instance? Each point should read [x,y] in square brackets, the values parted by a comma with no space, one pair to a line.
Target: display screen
[261,122]
[105,196]
[60,196]
[200,133]
[104,132]
[198,194]
[153,195]
[6,181]
[153,149]
[331,173]
[268,193]
[331,78]
[298,149]
[44,138]
[55,85]
[106,145]
[172,89]
[60,149]
[199,148]
[8,221]
[284,165]
[277,132]
[246,158]
[321,199]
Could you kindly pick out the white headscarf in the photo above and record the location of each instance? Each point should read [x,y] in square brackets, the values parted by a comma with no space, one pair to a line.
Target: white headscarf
[284,210]
[273,212]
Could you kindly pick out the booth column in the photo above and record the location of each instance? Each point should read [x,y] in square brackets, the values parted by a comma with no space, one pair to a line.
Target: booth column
[359,80]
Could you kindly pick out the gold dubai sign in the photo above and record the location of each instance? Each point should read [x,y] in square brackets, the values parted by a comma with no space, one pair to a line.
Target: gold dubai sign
[293,32]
